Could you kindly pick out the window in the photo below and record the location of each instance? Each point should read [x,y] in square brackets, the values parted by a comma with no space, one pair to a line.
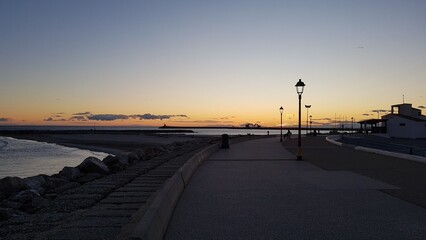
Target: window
[402,124]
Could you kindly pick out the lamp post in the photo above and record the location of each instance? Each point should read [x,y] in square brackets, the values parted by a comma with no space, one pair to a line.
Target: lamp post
[352,118]
[281,111]
[310,126]
[307,115]
[299,89]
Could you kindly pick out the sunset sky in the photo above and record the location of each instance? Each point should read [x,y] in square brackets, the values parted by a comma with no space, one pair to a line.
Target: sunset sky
[207,62]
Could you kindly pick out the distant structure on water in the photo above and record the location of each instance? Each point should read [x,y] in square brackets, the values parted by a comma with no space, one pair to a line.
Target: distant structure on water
[404,121]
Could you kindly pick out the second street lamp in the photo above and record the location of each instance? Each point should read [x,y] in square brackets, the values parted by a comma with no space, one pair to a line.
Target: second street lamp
[307,115]
[299,89]
[281,111]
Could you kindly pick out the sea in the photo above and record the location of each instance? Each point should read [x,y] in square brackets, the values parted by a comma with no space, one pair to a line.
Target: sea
[25,158]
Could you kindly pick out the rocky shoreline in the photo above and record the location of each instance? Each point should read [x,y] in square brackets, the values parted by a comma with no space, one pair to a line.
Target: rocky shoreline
[60,196]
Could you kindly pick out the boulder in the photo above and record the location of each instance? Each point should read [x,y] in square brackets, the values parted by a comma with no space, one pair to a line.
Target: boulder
[11,185]
[70,173]
[116,168]
[93,165]
[35,204]
[153,152]
[25,196]
[65,187]
[133,157]
[6,213]
[10,204]
[40,202]
[110,160]
[114,160]
[35,183]
[54,182]
[2,196]
[88,178]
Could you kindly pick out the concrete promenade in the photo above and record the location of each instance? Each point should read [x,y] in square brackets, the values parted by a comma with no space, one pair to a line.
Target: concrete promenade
[256,190]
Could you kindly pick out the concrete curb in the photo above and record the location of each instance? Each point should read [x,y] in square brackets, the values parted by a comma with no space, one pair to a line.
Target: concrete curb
[333,139]
[154,223]
[392,154]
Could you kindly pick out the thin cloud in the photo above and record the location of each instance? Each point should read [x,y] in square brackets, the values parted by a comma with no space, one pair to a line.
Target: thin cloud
[108,117]
[82,113]
[149,116]
[78,118]
[227,117]
[50,119]
[379,110]
[86,116]
[4,119]
[322,119]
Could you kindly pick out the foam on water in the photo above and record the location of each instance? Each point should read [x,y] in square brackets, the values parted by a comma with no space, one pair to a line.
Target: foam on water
[24,158]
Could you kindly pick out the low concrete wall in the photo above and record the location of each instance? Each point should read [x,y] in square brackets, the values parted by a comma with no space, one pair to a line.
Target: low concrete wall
[154,222]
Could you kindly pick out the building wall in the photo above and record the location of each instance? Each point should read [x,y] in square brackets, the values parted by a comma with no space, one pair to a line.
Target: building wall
[404,128]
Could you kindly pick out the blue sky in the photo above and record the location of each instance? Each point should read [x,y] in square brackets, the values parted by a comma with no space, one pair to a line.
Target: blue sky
[209,59]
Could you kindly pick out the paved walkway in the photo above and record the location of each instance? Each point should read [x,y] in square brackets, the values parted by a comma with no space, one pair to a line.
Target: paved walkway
[256,190]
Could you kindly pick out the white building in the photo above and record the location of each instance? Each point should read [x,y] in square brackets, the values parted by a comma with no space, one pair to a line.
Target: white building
[404,121]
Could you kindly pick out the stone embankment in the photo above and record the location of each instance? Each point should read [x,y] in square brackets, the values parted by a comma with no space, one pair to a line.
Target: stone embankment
[95,200]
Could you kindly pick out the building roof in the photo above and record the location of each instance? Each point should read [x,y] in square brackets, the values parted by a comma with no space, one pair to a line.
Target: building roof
[406,117]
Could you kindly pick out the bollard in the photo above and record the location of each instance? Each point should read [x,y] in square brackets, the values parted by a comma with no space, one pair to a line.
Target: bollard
[225,141]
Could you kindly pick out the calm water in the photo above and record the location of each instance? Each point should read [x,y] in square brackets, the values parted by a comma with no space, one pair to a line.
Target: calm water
[24,158]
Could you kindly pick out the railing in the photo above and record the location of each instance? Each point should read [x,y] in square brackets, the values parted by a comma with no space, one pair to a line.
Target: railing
[392,147]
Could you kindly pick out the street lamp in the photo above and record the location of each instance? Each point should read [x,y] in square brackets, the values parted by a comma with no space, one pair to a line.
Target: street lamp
[307,114]
[310,126]
[299,89]
[281,111]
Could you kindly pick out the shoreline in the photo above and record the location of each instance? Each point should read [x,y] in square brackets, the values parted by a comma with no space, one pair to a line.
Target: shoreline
[112,142]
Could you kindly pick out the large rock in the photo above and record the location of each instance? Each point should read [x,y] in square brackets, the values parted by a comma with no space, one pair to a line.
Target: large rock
[36,204]
[153,152]
[110,160]
[54,182]
[113,160]
[40,202]
[25,196]
[2,196]
[10,204]
[93,165]
[133,157]
[88,178]
[11,185]
[6,213]
[65,187]
[70,173]
[36,183]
